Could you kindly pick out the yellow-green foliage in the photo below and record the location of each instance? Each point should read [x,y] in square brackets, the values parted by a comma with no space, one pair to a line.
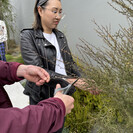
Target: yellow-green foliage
[80,119]
[108,112]
[11,58]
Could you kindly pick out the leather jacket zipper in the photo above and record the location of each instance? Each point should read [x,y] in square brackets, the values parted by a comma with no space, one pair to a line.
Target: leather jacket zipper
[48,67]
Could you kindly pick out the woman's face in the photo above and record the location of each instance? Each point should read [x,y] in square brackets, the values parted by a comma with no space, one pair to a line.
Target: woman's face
[50,15]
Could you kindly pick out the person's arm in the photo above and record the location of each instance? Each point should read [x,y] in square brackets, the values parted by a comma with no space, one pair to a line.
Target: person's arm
[45,117]
[83,85]
[28,49]
[12,72]
[75,71]
[8,73]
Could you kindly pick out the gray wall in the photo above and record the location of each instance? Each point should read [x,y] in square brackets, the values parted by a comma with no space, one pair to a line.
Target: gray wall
[78,21]
[24,15]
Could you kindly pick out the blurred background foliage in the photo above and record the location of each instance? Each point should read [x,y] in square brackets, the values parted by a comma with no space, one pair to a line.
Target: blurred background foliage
[6,14]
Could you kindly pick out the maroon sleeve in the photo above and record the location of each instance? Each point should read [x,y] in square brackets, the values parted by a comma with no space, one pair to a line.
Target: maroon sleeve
[8,72]
[46,117]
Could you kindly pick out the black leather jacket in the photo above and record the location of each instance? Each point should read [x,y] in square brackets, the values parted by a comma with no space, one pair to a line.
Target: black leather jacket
[36,50]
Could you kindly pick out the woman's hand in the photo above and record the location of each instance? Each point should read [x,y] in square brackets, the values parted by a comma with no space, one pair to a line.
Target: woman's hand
[81,84]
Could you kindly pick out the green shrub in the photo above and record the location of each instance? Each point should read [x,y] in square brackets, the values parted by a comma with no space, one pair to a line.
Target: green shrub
[80,119]
[11,58]
[20,59]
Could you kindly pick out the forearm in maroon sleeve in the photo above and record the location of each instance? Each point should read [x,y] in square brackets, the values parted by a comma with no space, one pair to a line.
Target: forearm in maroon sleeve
[8,72]
[46,117]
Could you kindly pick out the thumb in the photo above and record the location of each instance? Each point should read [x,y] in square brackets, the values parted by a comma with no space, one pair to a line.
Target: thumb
[58,86]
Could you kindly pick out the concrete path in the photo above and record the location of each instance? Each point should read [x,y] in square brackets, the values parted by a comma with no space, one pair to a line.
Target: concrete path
[15,92]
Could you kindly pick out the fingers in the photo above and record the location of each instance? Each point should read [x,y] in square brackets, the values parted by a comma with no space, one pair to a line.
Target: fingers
[47,76]
[94,91]
[57,92]
[67,100]
[44,75]
[69,104]
[40,82]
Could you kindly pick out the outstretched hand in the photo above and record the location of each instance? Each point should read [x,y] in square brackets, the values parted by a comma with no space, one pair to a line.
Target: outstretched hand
[33,73]
[67,100]
[81,84]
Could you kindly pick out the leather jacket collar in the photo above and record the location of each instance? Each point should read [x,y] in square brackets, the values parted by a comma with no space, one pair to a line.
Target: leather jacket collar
[39,34]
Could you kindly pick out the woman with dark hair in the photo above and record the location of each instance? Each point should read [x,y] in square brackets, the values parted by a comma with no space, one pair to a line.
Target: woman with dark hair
[45,46]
